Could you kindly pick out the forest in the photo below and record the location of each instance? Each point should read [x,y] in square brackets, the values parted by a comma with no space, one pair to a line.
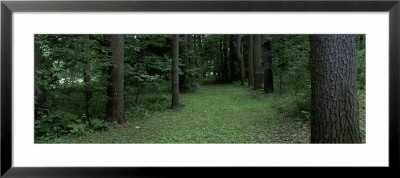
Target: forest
[199,88]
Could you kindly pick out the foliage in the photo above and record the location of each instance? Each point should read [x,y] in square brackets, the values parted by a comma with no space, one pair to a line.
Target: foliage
[204,59]
[360,58]
[59,123]
[290,58]
[290,64]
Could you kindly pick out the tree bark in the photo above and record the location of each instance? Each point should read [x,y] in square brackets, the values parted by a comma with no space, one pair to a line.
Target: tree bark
[232,58]
[116,109]
[191,49]
[257,63]
[221,57]
[334,113]
[87,76]
[240,60]
[268,78]
[226,59]
[175,71]
[250,61]
[182,79]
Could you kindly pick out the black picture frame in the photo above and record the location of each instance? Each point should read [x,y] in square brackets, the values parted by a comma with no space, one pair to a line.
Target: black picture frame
[8,7]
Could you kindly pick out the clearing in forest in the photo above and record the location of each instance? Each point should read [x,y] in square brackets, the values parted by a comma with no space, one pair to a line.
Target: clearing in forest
[213,114]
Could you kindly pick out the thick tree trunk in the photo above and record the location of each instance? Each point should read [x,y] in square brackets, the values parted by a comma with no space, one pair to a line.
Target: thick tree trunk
[334,114]
[175,71]
[232,58]
[87,76]
[191,48]
[221,57]
[240,60]
[116,110]
[186,60]
[257,63]
[196,48]
[226,59]
[40,91]
[182,79]
[268,78]
[191,62]
[250,60]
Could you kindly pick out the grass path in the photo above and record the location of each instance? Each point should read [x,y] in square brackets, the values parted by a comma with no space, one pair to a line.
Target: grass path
[213,114]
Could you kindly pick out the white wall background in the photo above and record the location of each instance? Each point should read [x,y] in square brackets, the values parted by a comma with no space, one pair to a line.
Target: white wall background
[373,153]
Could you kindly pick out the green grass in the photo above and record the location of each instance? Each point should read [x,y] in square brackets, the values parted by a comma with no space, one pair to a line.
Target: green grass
[213,114]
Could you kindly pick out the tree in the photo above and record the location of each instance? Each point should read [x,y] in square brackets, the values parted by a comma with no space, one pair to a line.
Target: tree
[257,62]
[175,71]
[226,58]
[183,79]
[116,109]
[250,60]
[190,43]
[240,60]
[221,60]
[334,112]
[86,75]
[268,78]
[232,58]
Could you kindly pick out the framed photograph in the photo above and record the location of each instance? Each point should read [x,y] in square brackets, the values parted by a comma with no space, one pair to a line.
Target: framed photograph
[141,88]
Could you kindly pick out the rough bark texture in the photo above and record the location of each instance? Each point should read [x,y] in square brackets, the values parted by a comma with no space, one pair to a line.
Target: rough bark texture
[40,91]
[240,60]
[87,76]
[268,78]
[250,60]
[175,71]
[116,109]
[334,114]
[257,62]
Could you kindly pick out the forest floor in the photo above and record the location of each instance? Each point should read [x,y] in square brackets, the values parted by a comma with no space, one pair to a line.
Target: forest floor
[213,114]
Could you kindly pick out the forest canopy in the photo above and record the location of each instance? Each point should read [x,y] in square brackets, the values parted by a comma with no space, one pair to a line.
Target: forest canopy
[199,88]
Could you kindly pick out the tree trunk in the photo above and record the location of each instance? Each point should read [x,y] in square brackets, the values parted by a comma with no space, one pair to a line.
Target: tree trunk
[334,113]
[191,49]
[175,71]
[268,78]
[221,57]
[257,63]
[182,80]
[250,60]
[226,59]
[86,76]
[196,48]
[232,58]
[240,60]
[191,62]
[116,110]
